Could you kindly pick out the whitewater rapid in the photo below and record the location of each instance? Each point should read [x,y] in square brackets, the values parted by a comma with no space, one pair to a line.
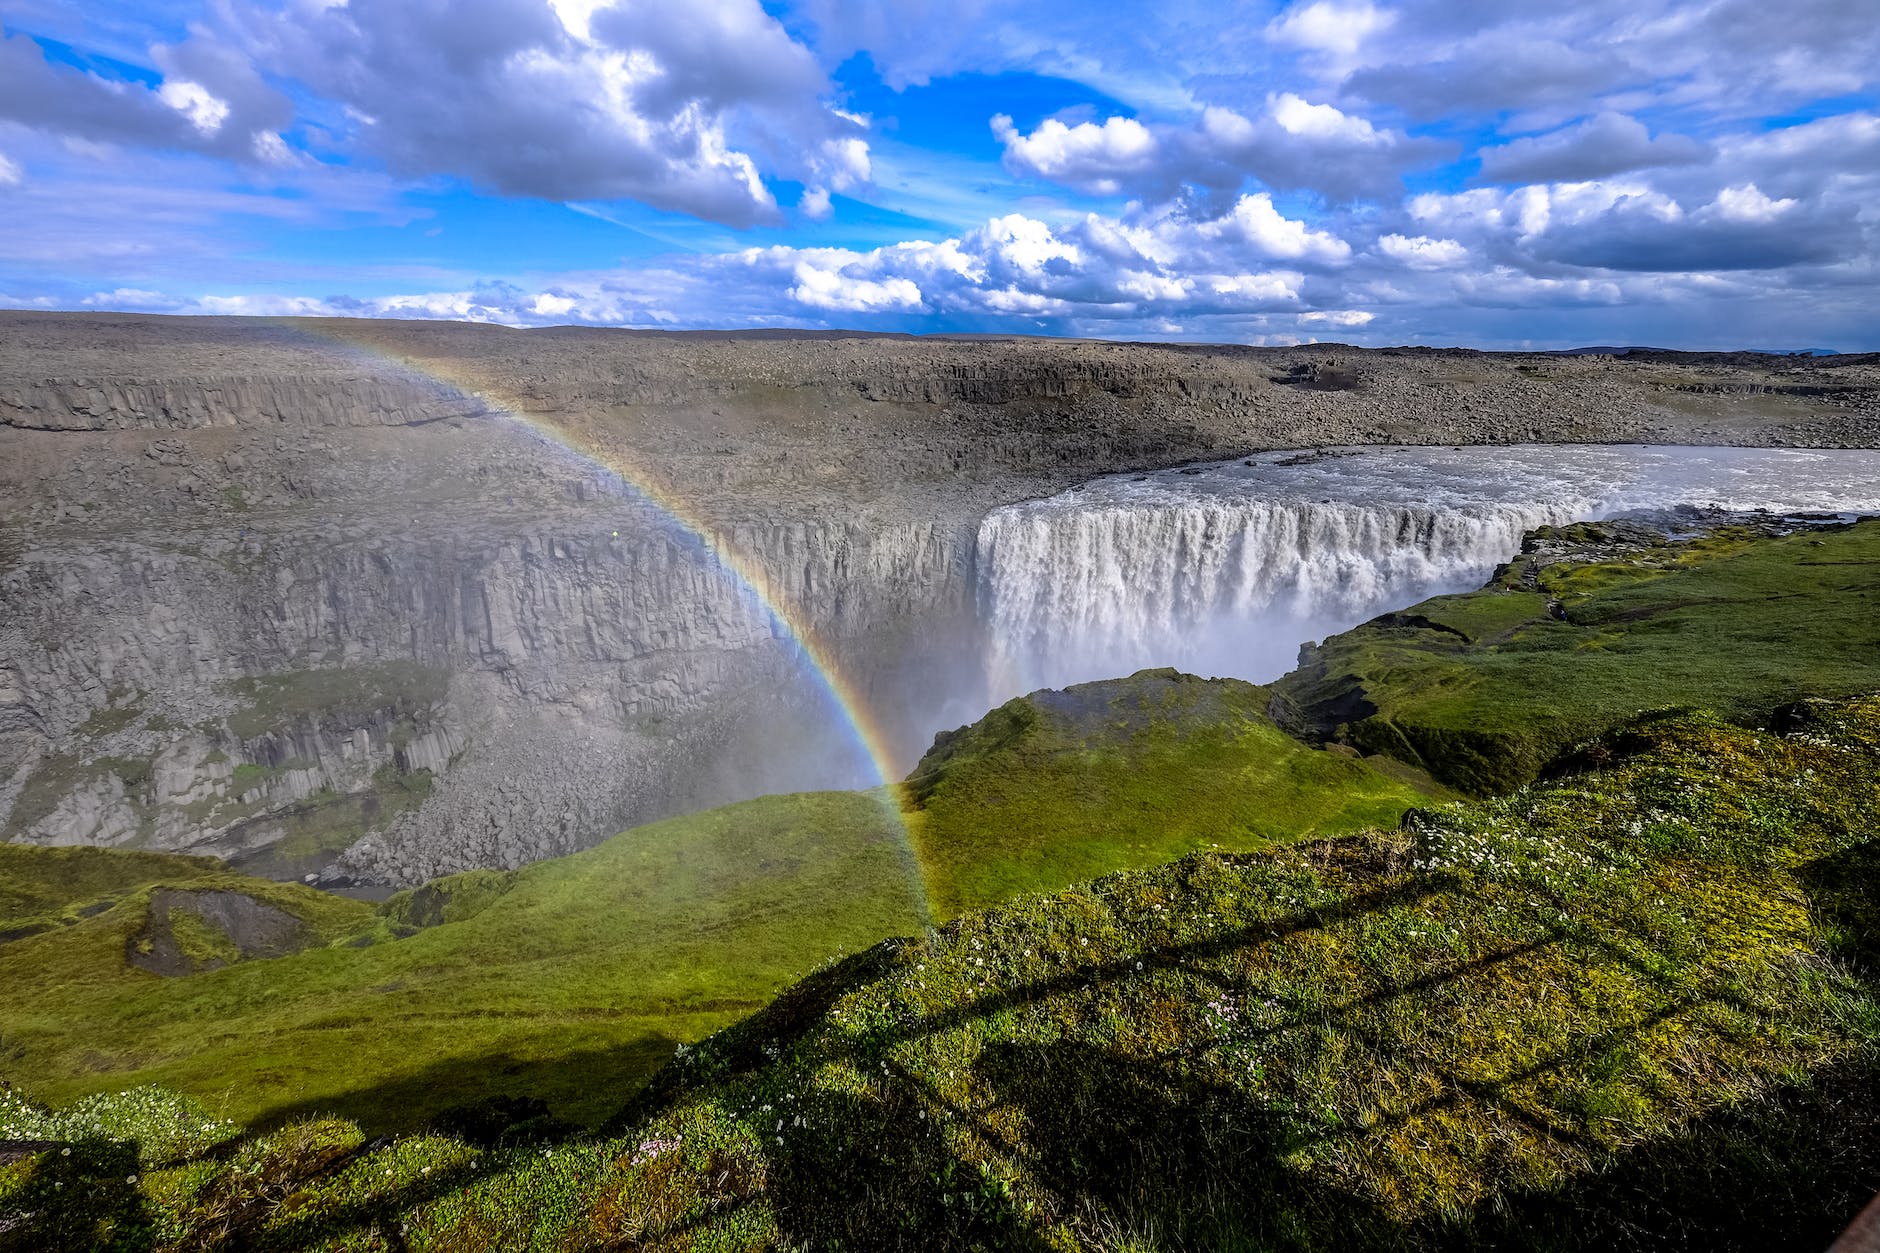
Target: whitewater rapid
[1226,568]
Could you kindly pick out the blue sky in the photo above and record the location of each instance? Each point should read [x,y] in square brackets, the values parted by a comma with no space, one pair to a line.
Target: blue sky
[1423,171]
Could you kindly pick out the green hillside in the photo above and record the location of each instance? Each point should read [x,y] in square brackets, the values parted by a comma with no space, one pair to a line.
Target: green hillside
[1484,689]
[1200,983]
[1058,787]
[1630,1008]
[571,980]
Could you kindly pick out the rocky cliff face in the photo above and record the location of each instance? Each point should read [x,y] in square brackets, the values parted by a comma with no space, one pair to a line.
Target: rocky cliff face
[393,600]
[477,691]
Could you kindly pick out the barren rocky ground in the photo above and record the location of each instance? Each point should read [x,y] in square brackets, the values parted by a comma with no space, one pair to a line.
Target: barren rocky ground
[337,597]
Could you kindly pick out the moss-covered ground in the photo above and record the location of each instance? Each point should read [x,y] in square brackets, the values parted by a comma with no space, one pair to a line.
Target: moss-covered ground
[1056,788]
[1483,690]
[496,982]
[537,981]
[1633,1007]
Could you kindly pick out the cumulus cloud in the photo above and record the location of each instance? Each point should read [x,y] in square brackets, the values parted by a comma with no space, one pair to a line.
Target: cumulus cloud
[205,101]
[814,203]
[1420,252]
[1613,157]
[1254,223]
[134,298]
[1097,158]
[827,279]
[1250,266]
[1603,145]
[681,107]
[1290,144]
[1632,226]
[1297,144]
[670,105]
[1450,58]
[1497,70]
[1100,268]
[1339,27]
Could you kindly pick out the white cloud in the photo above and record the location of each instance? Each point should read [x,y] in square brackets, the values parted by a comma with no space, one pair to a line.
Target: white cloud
[1339,317]
[205,112]
[1323,122]
[10,173]
[1275,287]
[1097,158]
[1291,143]
[625,100]
[1420,252]
[1026,244]
[1631,226]
[826,286]
[1255,222]
[1748,204]
[131,298]
[208,100]
[814,203]
[1330,26]
[552,305]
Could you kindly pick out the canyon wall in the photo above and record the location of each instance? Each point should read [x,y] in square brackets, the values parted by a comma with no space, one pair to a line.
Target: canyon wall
[385,600]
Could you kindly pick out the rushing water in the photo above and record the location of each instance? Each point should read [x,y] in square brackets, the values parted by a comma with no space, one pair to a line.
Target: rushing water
[1226,569]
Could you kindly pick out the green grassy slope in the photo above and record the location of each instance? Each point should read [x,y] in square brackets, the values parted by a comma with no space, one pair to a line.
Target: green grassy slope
[571,983]
[525,982]
[1634,1007]
[1056,788]
[42,888]
[1484,689]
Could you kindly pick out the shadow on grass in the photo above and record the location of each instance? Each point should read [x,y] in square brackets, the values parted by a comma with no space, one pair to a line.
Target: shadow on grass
[1147,1150]
[1142,1148]
[85,1198]
[578,1087]
[1785,1172]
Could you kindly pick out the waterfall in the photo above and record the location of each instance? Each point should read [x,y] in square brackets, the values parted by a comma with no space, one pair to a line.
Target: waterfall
[1217,587]
[1227,569]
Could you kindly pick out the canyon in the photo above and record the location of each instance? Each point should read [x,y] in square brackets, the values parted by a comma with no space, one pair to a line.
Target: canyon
[372,602]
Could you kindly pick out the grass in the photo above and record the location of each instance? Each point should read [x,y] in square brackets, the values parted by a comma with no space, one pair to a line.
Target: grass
[488,982]
[42,888]
[1629,1008]
[1484,690]
[663,934]
[1056,788]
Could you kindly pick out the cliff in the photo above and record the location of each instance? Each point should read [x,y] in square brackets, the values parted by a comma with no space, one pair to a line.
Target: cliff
[397,599]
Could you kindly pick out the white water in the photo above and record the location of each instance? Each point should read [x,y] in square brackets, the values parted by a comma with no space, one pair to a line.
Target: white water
[1226,569]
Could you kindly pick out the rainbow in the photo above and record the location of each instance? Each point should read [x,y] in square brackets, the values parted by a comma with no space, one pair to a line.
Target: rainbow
[863,727]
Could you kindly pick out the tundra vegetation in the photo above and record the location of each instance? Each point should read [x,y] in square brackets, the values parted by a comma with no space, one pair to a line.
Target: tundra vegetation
[1549,924]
